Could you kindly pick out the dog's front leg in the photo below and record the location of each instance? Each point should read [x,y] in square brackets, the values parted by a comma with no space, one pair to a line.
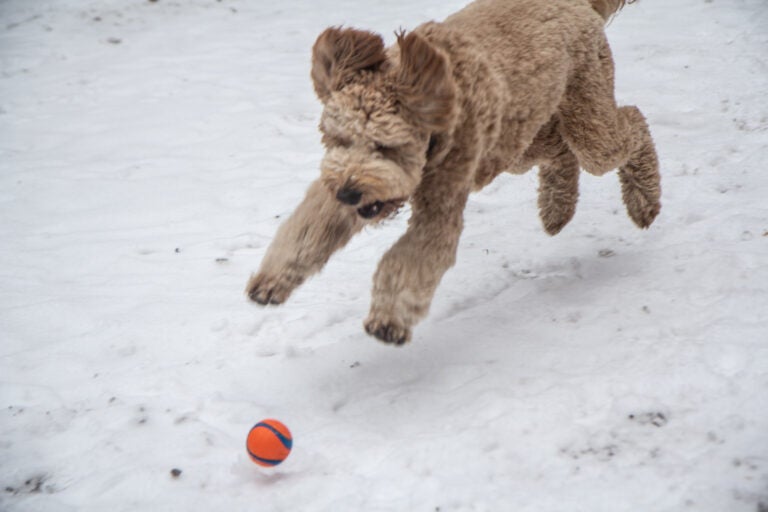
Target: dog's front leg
[410,271]
[318,227]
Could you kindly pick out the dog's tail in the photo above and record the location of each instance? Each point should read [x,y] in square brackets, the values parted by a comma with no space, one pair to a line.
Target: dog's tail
[607,8]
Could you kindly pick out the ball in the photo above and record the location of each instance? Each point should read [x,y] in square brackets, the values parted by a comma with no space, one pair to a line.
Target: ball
[269,442]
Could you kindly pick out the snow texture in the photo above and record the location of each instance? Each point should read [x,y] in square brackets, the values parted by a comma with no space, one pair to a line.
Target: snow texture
[150,149]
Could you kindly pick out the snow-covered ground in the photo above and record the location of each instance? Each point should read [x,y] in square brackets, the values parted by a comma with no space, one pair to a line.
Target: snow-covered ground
[148,152]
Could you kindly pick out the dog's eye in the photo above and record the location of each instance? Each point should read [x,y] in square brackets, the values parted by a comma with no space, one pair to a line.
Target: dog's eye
[383,148]
[432,145]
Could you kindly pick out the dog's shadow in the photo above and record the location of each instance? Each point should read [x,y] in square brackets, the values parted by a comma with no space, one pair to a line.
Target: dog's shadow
[484,339]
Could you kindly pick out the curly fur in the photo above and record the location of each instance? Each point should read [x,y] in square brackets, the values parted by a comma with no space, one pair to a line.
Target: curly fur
[607,8]
[500,86]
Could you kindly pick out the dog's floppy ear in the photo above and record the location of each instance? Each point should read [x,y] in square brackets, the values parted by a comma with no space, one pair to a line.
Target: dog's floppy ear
[424,82]
[339,53]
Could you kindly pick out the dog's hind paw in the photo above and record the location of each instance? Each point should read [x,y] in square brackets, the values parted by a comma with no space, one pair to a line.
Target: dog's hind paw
[644,216]
[641,199]
[555,220]
[388,332]
[269,289]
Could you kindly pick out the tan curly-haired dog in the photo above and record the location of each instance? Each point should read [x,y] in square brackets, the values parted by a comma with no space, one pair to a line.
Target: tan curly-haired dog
[501,86]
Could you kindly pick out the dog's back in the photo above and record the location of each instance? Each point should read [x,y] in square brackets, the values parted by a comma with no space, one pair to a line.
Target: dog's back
[521,54]
[528,9]
[533,34]
[530,33]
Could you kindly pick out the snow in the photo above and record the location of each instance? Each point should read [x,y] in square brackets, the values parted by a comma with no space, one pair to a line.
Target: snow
[148,152]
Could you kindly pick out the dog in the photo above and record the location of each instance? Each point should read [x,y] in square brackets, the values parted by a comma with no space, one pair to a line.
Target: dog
[500,86]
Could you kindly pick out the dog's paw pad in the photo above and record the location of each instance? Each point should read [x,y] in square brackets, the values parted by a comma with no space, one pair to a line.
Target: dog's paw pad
[265,297]
[388,332]
[268,290]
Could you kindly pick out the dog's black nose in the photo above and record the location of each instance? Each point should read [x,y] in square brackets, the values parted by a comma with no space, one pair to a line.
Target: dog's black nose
[349,196]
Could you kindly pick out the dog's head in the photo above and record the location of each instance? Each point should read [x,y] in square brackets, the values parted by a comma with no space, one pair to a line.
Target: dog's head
[381,108]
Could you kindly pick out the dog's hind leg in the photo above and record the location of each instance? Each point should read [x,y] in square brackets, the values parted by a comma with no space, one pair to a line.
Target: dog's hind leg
[640,180]
[558,190]
[604,137]
[318,227]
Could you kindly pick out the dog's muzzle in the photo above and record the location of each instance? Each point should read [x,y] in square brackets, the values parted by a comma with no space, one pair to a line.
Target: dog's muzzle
[352,197]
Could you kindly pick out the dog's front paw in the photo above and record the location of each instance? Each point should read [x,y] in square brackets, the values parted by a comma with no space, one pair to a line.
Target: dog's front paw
[268,289]
[388,331]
